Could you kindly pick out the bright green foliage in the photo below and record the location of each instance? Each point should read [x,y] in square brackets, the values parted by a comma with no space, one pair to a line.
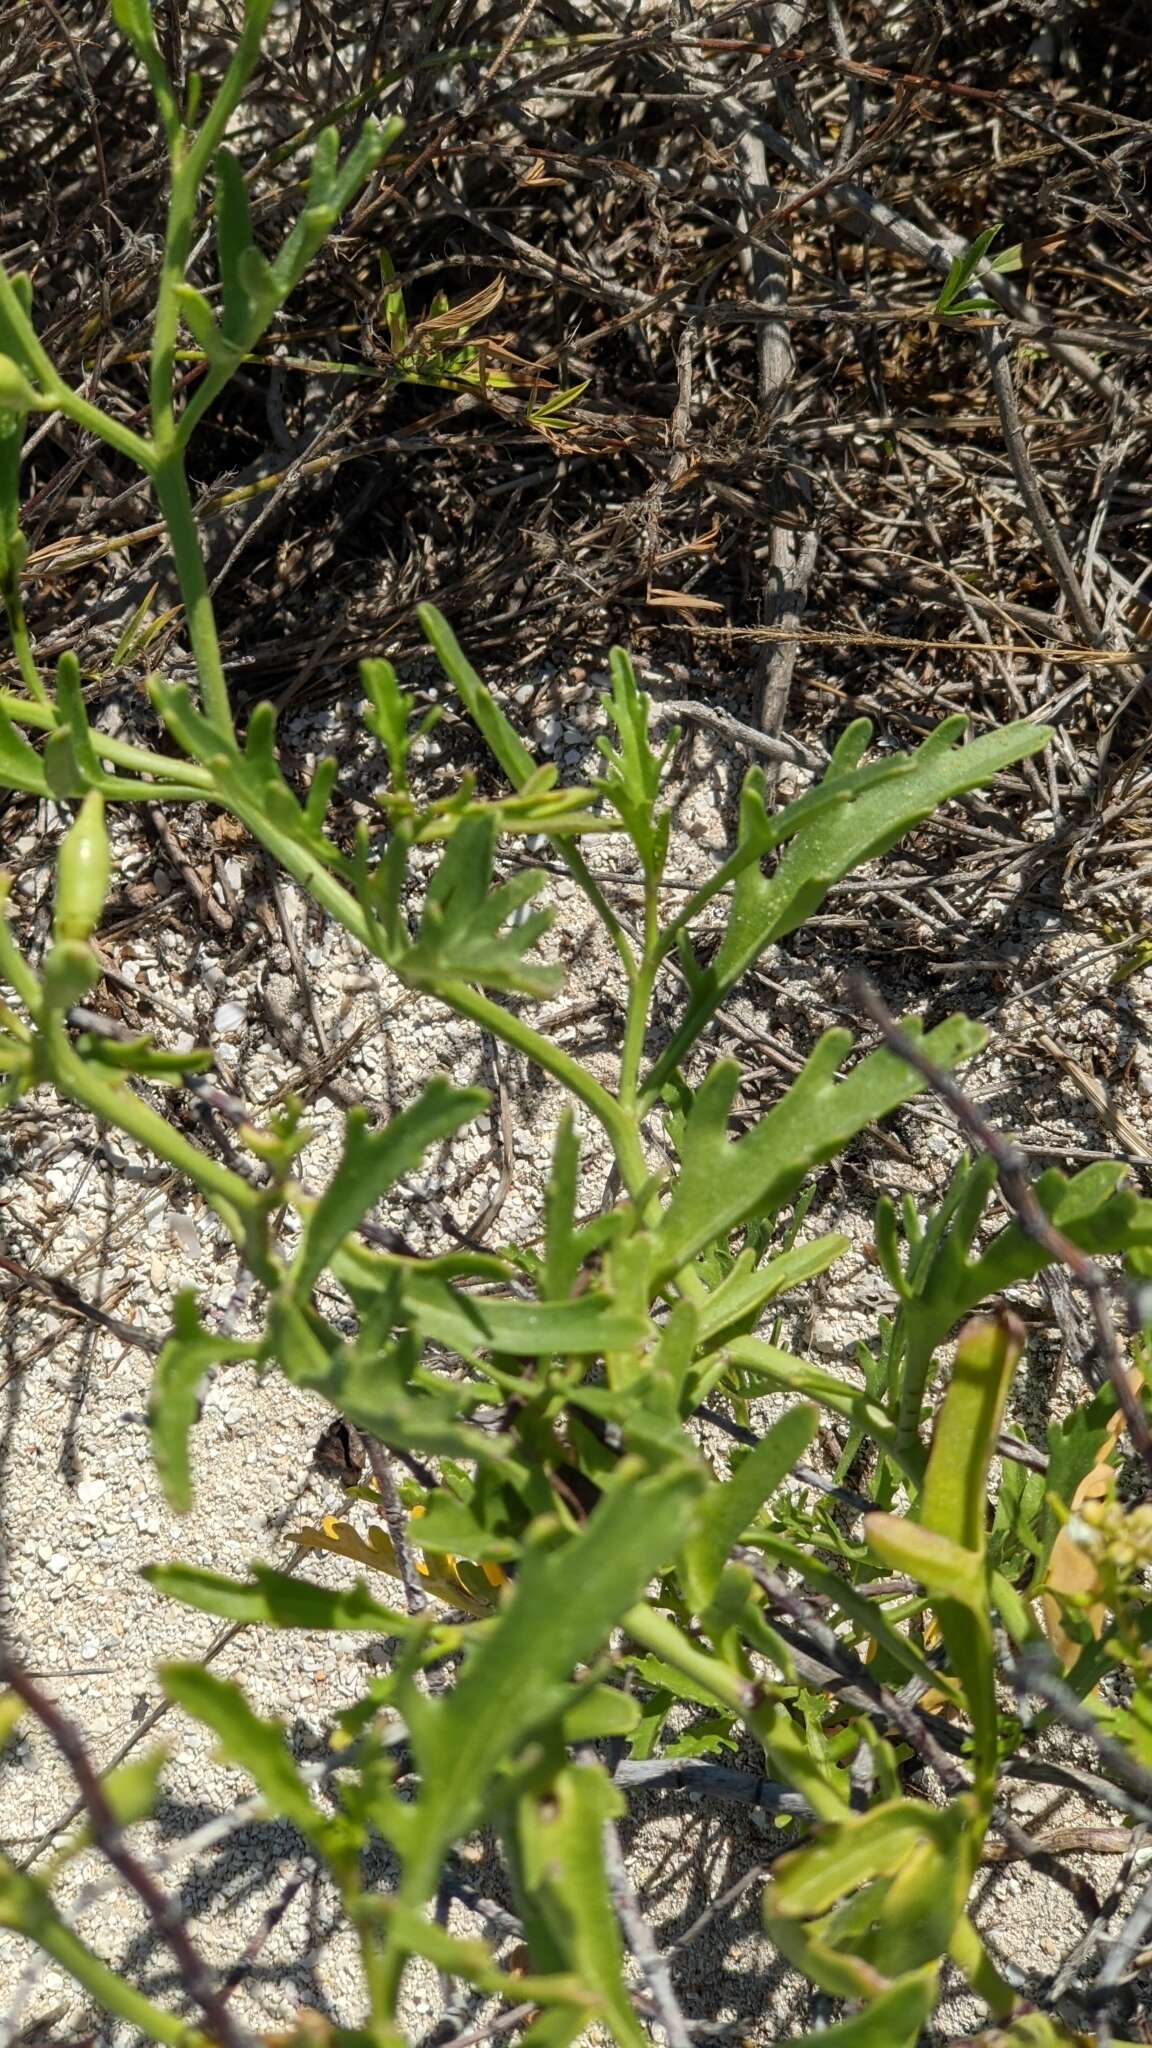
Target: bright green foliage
[585,1570]
[956,297]
[946,1546]
[939,1280]
[553,1832]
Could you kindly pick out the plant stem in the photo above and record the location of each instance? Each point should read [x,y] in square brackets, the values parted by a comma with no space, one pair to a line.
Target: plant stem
[641,984]
[193,781]
[171,486]
[25,1906]
[616,1120]
[21,644]
[665,1640]
[101,424]
[116,1104]
[968,1952]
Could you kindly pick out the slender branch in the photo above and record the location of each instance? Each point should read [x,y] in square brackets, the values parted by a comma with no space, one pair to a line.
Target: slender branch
[1033,1671]
[193,781]
[1018,1192]
[642,1942]
[620,1127]
[855,1675]
[382,1473]
[997,354]
[161,1908]
[695,1775]
[175,500]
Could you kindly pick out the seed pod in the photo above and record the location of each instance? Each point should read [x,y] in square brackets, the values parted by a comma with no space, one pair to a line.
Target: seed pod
[82,872]
[71,971]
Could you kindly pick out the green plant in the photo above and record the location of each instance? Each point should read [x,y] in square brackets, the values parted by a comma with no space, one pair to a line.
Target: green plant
[592,1569]
[956,297]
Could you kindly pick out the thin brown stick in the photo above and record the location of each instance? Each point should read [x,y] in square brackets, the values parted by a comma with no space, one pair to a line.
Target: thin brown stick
[397,1524]
[642,1942]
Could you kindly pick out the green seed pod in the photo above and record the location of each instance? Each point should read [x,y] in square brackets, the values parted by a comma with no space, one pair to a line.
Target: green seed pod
[82,872]
[71,971]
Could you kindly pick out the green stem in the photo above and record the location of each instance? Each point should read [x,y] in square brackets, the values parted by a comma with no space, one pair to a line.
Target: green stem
[171,486]
[665,1640]
[58,392]
[194,781]
[14,969]
[723,878]
[78,1079]
[642,982]
[190,158]
[699,1011]
[968,1952]
[21,644]
[617,1121]
[26,1907]
[102,425]
[582,874]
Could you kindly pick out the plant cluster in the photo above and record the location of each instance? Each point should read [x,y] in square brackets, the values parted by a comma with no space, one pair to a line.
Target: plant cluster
[580,1571]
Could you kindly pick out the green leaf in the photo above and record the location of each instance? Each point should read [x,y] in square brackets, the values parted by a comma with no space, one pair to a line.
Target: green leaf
[859,826]
[16,328]
[460,936]
[881,1891]
[21,767]
[632,770]
[564,1602]
[955,1495]
[480,704]
[679,1684]
[893,2020]
[277,1599]
[947,1569]
[199,319]
[723,1184]
[373,1161]
[788,1375]
[233,237]
[589,1324]
[339,184]
[370,1381]
[388,714]
[1074,1445]
[952,1513]
[27,1907]
[174,1402]
[562,1251]
[953,298]
[74,718]
[726,1511]
[554,1841]
[734,1306]
[142,1056]
[957,1579]
[472,1960]
[257,1746]
[599,1712]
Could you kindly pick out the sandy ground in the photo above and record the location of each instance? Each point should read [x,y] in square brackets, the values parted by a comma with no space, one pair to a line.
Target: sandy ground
[81,1507]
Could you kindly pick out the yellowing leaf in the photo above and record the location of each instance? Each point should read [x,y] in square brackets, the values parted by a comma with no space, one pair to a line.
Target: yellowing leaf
[1071,1568]
[443,1575]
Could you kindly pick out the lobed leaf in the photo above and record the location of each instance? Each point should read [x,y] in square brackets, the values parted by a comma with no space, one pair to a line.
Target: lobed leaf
[174,1403]
[723,1184]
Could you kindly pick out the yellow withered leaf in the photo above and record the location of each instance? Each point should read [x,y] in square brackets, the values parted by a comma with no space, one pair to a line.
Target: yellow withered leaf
[1071,1568]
